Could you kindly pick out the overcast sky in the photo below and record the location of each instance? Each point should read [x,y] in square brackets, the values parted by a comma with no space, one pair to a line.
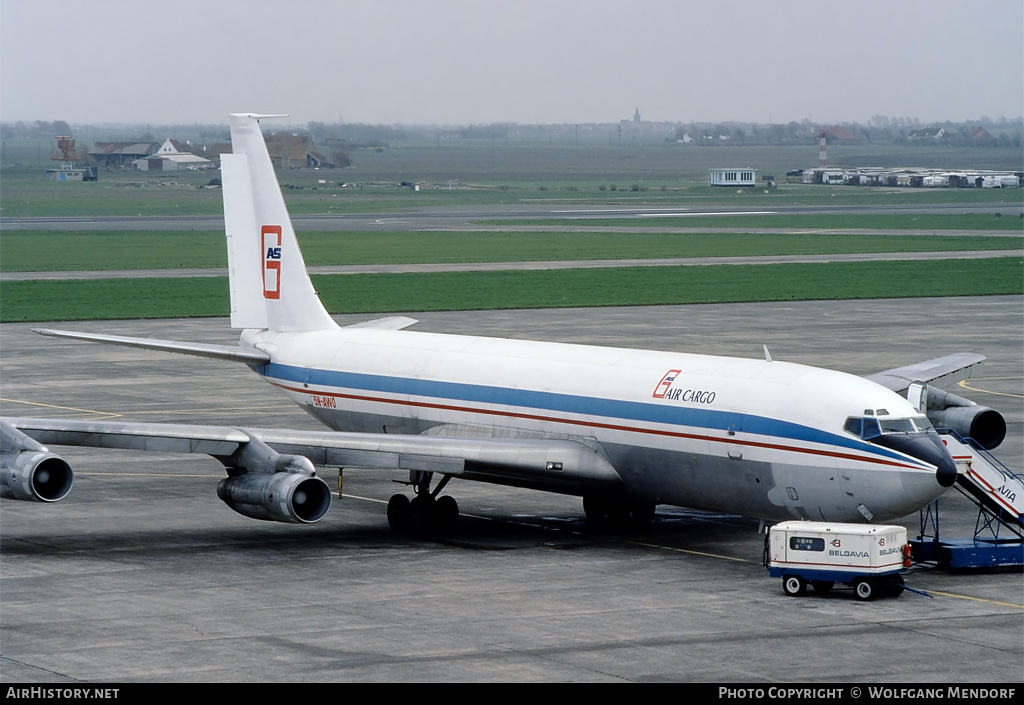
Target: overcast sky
[526,61]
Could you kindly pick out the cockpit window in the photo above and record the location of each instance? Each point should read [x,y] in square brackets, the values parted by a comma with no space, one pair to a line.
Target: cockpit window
[922,423]
[865,427]
[868,427]
[897,425]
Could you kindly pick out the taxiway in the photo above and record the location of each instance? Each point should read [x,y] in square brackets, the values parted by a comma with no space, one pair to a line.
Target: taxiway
[142,574]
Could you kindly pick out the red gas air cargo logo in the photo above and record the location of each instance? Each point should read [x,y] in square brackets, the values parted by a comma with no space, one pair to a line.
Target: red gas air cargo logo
[270,237]
[665,384]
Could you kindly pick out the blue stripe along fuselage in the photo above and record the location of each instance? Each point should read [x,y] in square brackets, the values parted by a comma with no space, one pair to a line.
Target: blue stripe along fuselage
[632,411]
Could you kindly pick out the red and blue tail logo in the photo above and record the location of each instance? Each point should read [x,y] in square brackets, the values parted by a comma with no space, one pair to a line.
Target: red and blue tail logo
[271,239]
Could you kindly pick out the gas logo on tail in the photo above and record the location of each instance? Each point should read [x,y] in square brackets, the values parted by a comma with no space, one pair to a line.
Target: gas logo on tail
[271,239]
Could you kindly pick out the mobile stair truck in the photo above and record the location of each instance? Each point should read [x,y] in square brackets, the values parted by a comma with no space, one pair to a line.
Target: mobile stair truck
[867,557]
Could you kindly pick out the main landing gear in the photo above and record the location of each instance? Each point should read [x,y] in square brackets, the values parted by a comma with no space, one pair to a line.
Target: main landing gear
[603,510]
[425,511]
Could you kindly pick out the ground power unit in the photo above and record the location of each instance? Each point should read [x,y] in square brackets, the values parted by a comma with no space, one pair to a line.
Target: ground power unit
[869,558]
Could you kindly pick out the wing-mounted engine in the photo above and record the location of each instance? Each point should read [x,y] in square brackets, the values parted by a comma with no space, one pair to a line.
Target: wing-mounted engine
[265,484]
[29,471]
[983,425]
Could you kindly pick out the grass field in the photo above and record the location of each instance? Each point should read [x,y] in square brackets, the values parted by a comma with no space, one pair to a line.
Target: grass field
[128,194]
[624,286]
[43,250]
[487,173]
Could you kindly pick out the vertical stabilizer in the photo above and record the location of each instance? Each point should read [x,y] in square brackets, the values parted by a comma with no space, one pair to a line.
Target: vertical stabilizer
[269,285]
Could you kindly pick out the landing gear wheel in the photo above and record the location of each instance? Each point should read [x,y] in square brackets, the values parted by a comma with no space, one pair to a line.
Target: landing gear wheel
[864,589]
[399,512]
[446,514]
[642,513]
[421,512]
[822,586]
[794,585]
[611,511]
[596,509]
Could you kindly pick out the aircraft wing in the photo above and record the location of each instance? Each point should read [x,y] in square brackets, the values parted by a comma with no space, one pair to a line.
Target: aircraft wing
[561,465]
[948,368]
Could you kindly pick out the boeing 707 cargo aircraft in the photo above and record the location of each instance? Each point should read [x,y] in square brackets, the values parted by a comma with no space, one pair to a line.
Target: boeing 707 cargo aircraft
[625,430]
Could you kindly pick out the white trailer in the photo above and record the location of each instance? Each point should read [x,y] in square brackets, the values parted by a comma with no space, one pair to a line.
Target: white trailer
[867,557]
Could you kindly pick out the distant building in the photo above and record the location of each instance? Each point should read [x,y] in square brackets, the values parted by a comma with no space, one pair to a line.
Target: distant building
[928,134]
[837,134]
[979,137]
[119,155]
[294,152]
[170,157]
[215,150]
[734,177]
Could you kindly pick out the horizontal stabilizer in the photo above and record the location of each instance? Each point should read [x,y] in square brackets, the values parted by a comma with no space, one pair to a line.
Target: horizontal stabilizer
[955,367]
[386,323]
[233,353]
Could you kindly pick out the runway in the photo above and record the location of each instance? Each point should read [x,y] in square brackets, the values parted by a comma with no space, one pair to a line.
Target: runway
[142,574]
[189,272]
[453,217]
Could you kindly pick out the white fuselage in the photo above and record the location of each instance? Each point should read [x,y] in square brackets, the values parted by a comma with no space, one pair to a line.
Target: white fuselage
[753,437]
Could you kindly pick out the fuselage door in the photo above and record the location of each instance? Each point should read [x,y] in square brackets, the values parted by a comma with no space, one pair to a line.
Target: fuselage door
[917,395]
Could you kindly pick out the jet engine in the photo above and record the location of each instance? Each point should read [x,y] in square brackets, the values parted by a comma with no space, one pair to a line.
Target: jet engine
[283,496]
[29,471]
[265,484]
[983,425]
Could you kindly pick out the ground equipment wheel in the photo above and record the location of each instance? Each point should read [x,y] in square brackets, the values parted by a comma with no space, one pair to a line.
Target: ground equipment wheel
[895,587]
[794,585]
[864,590]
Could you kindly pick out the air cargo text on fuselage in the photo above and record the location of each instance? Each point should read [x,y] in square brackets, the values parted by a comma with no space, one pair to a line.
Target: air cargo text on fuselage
[668,390]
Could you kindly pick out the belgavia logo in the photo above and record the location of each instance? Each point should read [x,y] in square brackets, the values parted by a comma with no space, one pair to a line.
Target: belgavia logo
[271,239]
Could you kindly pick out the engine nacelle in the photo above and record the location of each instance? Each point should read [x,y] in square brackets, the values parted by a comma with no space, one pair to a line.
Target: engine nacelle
[29,471]
[37,475]
[290,497]
[985,426]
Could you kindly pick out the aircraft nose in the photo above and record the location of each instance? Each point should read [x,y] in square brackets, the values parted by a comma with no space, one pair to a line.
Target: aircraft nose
[927,447]
[938,455]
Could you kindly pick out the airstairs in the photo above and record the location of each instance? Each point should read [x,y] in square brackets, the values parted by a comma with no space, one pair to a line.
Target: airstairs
[999,529]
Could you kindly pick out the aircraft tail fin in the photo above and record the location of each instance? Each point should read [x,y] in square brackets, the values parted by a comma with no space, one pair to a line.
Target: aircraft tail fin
[270,288]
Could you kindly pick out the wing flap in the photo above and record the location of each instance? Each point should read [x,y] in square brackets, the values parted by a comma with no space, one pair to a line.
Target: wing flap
[386,323]
[523,462]
[955,367]
[556,464]
[151,437]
